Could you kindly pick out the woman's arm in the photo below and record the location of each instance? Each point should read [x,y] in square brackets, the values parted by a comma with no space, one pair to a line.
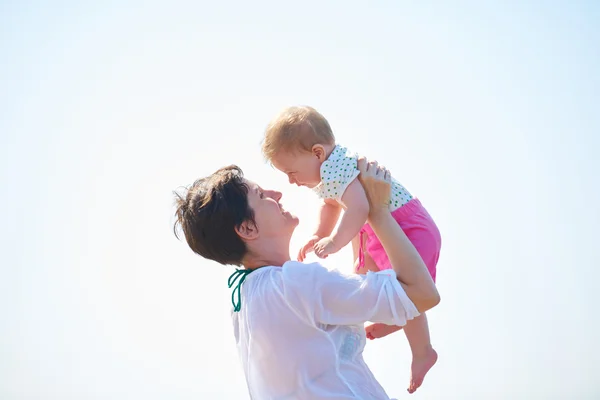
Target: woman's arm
[391,297]
[406,262]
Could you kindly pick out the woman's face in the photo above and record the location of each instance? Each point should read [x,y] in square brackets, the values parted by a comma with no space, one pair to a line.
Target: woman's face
[271,218]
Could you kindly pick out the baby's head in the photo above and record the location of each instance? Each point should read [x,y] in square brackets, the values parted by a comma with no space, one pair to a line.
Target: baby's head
[296,142]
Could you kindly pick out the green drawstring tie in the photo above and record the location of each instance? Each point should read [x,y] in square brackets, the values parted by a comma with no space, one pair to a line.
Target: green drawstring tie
[231,281]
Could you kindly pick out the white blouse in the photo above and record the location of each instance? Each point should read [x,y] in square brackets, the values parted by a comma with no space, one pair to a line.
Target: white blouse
[300,332]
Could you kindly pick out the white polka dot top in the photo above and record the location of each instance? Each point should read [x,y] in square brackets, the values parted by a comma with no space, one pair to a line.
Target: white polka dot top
[340,169]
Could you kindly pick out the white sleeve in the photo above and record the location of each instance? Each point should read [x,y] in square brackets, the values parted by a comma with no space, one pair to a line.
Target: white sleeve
[336,175]
[333,298]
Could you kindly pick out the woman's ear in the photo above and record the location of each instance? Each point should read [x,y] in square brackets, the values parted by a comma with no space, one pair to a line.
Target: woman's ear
[318,150]
[247,230]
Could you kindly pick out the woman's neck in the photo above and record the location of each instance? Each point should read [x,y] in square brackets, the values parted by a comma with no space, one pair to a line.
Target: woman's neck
[272,258]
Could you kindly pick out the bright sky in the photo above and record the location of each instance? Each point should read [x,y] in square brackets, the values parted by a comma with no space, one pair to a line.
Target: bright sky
[488,113]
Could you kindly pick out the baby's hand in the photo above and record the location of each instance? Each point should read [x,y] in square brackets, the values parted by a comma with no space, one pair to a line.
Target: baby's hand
[325,247]
[307,248]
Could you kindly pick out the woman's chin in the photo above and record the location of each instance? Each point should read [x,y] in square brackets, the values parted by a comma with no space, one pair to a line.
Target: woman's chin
[293,220]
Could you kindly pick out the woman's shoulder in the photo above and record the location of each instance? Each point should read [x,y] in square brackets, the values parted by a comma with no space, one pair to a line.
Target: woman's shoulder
[291,270]
[300,268]
[313,274]
[296,272]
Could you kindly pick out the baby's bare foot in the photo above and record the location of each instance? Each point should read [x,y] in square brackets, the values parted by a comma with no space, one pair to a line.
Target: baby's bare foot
[377,331]
[419,368]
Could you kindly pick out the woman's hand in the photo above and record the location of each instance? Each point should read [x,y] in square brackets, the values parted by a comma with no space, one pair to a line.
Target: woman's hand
[377,182]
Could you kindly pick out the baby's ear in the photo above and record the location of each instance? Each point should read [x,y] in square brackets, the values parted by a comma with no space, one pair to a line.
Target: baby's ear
[318,150]
[247,230]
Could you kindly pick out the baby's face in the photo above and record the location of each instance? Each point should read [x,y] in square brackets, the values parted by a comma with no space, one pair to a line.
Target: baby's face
[302,168]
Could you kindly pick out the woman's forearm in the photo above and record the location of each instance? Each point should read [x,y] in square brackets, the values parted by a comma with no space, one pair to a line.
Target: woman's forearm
[406,261]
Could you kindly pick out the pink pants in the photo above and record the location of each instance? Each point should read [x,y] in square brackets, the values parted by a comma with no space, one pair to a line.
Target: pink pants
[420,229]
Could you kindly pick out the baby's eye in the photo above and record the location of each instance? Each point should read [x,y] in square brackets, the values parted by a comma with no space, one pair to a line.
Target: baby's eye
[262,195]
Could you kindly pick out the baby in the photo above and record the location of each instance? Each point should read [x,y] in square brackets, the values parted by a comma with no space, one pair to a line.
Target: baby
[300,143]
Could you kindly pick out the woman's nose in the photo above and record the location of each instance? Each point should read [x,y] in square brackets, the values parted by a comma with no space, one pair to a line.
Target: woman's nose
[275,195]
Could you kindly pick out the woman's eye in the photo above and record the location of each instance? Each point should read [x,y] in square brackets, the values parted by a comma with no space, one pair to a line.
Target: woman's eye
[262,195]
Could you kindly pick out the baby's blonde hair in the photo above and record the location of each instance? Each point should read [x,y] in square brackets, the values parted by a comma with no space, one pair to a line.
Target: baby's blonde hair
[296,128]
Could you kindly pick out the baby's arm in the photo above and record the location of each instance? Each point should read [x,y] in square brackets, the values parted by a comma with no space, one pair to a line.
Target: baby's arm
[355,216]
[328,217]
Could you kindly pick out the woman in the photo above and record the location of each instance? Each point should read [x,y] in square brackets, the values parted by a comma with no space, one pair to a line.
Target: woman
[299,328]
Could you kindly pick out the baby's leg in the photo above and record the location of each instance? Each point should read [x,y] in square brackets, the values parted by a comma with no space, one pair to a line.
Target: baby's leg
[373,331]
[423,354]
[377,330]
[355,251]
[424,235]
[368,263]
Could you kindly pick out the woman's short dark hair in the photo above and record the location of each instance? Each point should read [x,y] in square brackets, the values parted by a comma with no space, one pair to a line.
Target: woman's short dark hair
[210,210]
